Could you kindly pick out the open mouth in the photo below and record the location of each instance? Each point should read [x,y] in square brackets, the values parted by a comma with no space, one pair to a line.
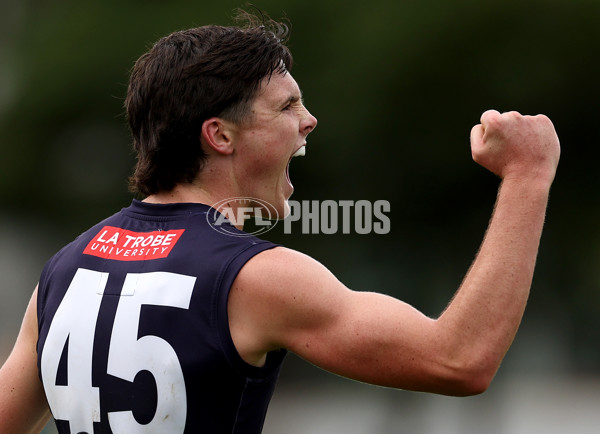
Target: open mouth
[301,152]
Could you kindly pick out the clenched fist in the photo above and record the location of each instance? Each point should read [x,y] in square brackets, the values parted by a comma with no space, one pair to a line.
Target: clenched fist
[514,146]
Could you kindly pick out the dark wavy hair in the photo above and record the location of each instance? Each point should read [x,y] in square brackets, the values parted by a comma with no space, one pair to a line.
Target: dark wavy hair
[190,76]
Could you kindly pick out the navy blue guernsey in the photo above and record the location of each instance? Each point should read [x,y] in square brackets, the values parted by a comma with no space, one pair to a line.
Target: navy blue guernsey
[133,328]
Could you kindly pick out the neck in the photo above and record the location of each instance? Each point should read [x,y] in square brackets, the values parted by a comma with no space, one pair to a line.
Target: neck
[190,193]
[183,193]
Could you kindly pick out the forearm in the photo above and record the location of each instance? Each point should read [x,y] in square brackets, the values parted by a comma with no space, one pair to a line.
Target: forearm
[23,407]
[482,319]
[21,411]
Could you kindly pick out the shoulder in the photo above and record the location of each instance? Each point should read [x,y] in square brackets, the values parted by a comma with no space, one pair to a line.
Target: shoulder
[281,268]
[280,292]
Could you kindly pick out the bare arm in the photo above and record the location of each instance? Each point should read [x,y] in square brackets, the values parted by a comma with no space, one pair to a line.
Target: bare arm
[487,310]
[23,407]
[284,299]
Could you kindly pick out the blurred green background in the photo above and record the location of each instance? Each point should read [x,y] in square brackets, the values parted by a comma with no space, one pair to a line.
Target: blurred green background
[396,86]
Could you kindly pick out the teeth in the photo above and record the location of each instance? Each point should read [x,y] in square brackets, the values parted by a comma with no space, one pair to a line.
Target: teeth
[300,152]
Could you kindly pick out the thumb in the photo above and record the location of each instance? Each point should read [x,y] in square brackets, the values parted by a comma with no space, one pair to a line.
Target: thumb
[477,133]
[489,115]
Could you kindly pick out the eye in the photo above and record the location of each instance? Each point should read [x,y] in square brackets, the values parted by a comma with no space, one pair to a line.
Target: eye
[291,103]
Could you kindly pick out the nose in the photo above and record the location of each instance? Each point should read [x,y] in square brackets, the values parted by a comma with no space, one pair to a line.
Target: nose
[309,123]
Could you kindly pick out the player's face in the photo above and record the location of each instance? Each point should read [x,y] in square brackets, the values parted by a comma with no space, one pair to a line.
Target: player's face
[275,130]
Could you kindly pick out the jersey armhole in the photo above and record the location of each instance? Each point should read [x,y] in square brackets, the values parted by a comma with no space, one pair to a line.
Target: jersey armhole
[221,318]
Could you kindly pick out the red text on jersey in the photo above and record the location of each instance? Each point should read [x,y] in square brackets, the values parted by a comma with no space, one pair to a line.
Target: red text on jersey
[123,245]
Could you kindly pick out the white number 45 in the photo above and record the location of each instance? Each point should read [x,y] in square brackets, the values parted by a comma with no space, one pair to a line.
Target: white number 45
[75,321]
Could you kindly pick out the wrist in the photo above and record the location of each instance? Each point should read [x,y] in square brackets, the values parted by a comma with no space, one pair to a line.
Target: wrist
[540,179]
[528,191]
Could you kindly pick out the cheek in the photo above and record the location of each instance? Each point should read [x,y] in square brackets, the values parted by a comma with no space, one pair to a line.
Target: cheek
[278,145]
[267,160]
[270,148]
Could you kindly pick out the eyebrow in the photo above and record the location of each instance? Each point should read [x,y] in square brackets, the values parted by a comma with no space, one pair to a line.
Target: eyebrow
[293,99]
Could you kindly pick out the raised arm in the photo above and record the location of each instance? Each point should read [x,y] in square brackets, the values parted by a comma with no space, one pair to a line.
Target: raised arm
[485,314]
[23,407]
[285,299]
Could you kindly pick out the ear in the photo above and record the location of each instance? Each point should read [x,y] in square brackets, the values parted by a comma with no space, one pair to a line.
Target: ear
[217,135]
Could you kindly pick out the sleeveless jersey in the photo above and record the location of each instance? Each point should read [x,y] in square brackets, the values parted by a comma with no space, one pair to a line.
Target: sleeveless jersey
[134,333]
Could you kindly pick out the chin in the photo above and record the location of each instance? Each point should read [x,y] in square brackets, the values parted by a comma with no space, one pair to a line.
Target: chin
[286,210]
[282,205]
[274,210]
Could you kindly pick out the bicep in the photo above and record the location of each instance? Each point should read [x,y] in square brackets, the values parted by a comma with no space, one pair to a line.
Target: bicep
[370,337]
[23,406]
